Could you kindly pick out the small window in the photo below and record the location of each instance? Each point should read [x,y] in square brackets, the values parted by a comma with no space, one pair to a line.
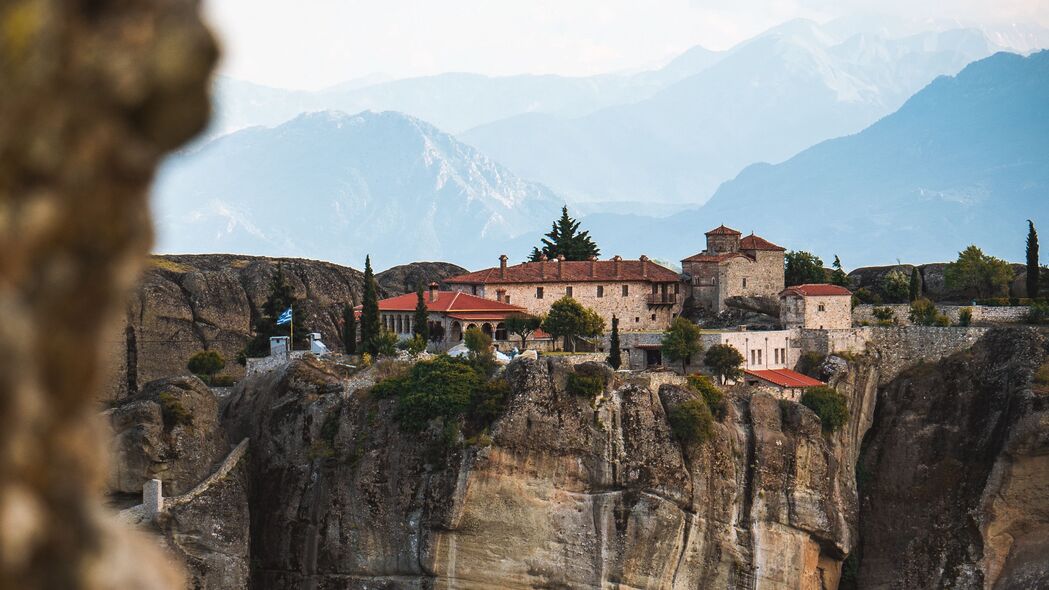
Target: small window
[655,289]
[600,291]
[677,287]
[653,317]
[568,291]
[626,290]
[821,307]
[538,292]
[473,290]
[744,282]
[508,299]
[637,320]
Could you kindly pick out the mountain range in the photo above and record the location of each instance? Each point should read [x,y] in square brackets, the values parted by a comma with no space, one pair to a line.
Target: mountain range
[337,187]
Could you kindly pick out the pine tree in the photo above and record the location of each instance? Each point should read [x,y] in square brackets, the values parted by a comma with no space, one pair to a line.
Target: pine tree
[916,285]
[349,328]
[421,325]
[615,354]
[565,239]
[1033,268]
[370,310]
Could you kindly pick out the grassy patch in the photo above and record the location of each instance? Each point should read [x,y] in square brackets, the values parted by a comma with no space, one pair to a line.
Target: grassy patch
[173,412]
[159,263]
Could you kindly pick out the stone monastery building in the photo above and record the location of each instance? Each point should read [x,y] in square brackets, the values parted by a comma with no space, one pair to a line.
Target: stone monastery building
[732,266]
[642,294]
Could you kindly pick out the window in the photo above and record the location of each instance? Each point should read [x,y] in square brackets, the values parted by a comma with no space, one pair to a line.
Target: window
[744,282]
[653,317]
[637,320]
[600,291]
[821,307]
[626,290]
[508,299]
[538,292]
[473,290]
[677,287]
[568,291]
[655,289]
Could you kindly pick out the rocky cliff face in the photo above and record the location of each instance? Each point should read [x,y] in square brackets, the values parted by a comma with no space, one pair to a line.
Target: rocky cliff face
[934,282]
[188,303]
[568,493]
[955,470]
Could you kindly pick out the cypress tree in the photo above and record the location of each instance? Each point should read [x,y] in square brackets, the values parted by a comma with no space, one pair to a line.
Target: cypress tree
[370,310]
[1033,268]
[421,323]
[349,328]
[916,285]
[615,355]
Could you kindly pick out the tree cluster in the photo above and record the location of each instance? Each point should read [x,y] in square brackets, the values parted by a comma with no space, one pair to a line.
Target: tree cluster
[977,272]
[802,268]
[568,319]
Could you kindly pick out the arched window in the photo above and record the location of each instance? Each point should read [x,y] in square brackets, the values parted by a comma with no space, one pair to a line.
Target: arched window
[457,332]
[486,328]
[500,331]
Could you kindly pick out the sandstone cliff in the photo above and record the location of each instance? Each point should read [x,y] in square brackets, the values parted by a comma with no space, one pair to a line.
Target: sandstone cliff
[954,475]
[568,493]
[188,303]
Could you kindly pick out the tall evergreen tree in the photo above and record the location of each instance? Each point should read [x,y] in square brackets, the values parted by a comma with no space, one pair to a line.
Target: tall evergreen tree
[615,354]
[421,321]
[370,310]
[1033,268]
[838,276]
[565,239]
[280,298]
[915,291]
[349,328]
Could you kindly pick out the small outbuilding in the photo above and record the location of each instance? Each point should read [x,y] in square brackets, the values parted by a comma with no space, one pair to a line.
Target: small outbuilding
[784,383]
[816,307]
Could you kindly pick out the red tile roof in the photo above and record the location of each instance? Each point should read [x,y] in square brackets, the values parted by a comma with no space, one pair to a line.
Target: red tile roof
[721,230]
[701,257]
[785,378]
[571,272]
[753,242]
[816,290]
[449,302]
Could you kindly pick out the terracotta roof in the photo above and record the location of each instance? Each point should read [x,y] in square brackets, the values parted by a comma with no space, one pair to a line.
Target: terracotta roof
[785,378]
[721,230]
[701,257]
[448,302]
[817,290]
[571,272]
[753,242]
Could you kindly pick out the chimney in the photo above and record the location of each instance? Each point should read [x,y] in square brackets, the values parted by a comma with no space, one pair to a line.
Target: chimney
[433,292]
[616,260]
[542,266]
[560,264]
[502,266]
[644,265]
[593,267]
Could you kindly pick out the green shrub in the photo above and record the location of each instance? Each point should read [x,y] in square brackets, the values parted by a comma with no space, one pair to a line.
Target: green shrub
[713,397]
[489,402]
[1038,313]
[829,405]
[173,412]
[385,343]
[810,363]
[885,316]
[895,286]
[925,313]
[691,421]
[415,345]
[585,385]
[965,316]
[865,295]
[206,363]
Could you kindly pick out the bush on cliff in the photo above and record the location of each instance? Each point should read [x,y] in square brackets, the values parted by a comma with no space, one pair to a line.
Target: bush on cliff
[713,397]
[924,313]
[447,388]
[829,405]
[586,381]
[691,421]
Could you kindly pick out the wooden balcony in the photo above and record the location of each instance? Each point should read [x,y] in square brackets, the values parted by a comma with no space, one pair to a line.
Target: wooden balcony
[659,299]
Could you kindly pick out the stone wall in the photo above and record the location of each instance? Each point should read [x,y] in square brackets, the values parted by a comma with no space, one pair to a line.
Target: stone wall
[982,314]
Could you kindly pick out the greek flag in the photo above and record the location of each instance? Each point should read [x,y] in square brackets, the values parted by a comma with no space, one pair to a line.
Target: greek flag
[284,318]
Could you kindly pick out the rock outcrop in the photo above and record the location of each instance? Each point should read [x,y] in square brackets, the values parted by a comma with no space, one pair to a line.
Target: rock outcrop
[954,473]
[568,493]
[188,303]
[170,432]
[934,282]
[406,278]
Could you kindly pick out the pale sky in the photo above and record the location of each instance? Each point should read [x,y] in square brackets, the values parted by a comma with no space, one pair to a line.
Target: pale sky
[309,44]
